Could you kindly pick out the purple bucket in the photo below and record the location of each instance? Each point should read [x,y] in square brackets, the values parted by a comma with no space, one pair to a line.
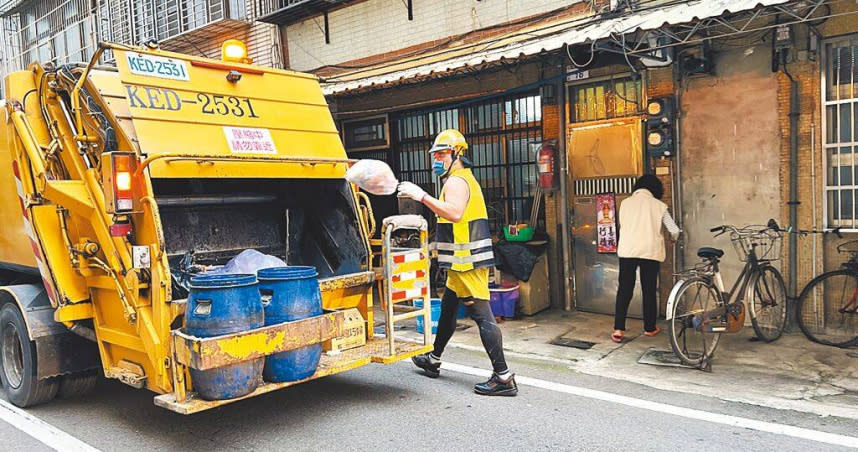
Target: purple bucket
[503,300]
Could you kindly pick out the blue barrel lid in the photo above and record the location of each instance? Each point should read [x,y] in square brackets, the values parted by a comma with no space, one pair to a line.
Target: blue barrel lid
[222,281]
[287,273]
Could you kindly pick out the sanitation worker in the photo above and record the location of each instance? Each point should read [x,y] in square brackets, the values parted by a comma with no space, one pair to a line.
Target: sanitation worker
[465,251]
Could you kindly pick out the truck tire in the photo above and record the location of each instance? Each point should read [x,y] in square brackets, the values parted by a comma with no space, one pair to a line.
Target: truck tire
[77,385]
[18,362]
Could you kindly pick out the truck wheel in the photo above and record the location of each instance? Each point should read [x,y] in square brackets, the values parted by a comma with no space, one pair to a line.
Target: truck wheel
[18,362]
[77,385]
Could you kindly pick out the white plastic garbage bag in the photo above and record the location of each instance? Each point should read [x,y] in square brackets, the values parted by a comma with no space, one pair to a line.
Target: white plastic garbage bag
[373,176]
[249,261]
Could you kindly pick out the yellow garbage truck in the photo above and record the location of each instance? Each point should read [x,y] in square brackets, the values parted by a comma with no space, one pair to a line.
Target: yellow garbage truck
[119,182]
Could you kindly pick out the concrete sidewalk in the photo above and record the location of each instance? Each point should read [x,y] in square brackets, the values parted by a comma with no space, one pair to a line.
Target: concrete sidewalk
[791,373]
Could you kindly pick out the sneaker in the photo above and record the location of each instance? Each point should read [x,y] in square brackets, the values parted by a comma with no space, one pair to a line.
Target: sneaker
[497,387]
[424,361]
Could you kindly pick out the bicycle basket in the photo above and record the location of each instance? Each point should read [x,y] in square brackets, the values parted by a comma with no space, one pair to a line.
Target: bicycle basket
[765,242]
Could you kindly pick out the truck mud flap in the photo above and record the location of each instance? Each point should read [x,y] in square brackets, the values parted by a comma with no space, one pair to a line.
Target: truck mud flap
[58,351]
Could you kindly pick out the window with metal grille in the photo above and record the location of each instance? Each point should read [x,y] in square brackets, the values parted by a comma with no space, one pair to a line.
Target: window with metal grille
[840,96]
[366,134]
[416,131]
[53,30]
[605,99]
[503,134]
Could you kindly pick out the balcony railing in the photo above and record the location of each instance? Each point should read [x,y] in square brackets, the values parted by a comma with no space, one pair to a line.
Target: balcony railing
[284,12]
[136,21]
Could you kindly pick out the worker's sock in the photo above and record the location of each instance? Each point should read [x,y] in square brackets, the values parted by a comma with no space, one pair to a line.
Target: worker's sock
[505,375]
[434,359]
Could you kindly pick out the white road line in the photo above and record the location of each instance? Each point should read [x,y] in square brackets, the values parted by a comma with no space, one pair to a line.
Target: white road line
[733,421]
[40,430]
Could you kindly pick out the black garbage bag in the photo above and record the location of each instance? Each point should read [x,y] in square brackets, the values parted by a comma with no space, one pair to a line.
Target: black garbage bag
[517,259]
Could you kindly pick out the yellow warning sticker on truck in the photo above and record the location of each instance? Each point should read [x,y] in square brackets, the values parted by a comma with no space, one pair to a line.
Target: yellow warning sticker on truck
[247,140]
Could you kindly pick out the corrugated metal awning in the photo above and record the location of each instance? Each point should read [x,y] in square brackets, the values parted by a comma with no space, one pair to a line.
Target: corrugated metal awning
[533,41]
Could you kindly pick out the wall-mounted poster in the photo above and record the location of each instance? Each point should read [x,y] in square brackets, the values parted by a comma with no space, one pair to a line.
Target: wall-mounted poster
[606,223]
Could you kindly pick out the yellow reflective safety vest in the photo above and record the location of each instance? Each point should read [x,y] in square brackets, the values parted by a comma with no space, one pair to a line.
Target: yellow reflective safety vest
[466,245]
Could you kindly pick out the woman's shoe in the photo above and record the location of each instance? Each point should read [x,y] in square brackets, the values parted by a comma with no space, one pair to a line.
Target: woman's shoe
[653,332]
[617,336]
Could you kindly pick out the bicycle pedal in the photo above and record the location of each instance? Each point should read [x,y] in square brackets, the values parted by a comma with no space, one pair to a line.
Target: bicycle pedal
[714,327]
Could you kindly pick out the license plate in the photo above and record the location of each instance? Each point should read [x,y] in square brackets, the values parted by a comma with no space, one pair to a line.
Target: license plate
[155,66]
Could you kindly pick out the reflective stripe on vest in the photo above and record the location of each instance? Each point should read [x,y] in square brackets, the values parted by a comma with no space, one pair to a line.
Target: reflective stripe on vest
[464,246]
[472,259]
[467,244]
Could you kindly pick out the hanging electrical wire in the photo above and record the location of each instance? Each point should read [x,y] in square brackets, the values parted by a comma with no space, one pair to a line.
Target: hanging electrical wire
[592,55]
[626,55]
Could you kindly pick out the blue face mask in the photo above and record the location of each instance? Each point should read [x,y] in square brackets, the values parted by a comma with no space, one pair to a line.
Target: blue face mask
[438,168]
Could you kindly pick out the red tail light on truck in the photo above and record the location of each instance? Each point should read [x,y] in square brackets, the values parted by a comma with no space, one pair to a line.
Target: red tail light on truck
[118,171]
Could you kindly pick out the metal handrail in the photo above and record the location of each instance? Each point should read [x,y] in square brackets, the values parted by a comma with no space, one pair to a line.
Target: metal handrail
[202,158]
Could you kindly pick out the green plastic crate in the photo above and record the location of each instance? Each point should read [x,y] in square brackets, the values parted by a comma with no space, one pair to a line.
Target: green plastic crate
[523,235]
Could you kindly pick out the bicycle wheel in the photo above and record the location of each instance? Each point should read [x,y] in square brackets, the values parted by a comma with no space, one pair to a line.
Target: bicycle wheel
[688,340]
[828,309]
[768,300]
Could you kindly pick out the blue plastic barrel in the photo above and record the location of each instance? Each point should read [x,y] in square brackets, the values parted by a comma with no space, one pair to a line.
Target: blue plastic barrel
[294,295]
[462,312]
[218,305]
[435,314]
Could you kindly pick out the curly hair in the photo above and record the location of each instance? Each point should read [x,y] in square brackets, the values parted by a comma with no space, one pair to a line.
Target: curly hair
[651,183]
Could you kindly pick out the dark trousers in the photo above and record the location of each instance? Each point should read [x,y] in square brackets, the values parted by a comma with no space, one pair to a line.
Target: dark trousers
[481,312]
[649,277]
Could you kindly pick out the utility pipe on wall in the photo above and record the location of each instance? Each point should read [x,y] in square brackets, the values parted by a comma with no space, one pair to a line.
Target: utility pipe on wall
[793,180]
[679,247]
[568,282]
[813,212]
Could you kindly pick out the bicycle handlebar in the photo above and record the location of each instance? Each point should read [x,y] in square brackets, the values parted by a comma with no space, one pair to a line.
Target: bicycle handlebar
[840,247]
[723,228]
[835,231]
[773,225]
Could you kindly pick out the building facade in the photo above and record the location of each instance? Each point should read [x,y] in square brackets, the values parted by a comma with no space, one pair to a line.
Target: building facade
[68,31]
[759,102]
[759,93]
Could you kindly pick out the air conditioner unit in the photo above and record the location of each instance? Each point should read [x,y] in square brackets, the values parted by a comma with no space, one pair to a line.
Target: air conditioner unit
[660,57]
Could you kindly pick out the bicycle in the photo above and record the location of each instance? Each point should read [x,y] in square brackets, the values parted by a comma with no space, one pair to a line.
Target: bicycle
[699,308]
[836,324]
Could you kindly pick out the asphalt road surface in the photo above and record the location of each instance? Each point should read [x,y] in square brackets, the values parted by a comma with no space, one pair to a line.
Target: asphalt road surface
[396,408]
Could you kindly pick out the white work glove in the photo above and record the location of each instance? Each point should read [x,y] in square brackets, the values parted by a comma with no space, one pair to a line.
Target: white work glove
[410,190]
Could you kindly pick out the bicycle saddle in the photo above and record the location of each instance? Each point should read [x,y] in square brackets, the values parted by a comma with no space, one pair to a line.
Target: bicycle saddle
[709,253]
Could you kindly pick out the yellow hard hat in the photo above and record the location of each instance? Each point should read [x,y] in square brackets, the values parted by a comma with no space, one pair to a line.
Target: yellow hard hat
[450,139]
